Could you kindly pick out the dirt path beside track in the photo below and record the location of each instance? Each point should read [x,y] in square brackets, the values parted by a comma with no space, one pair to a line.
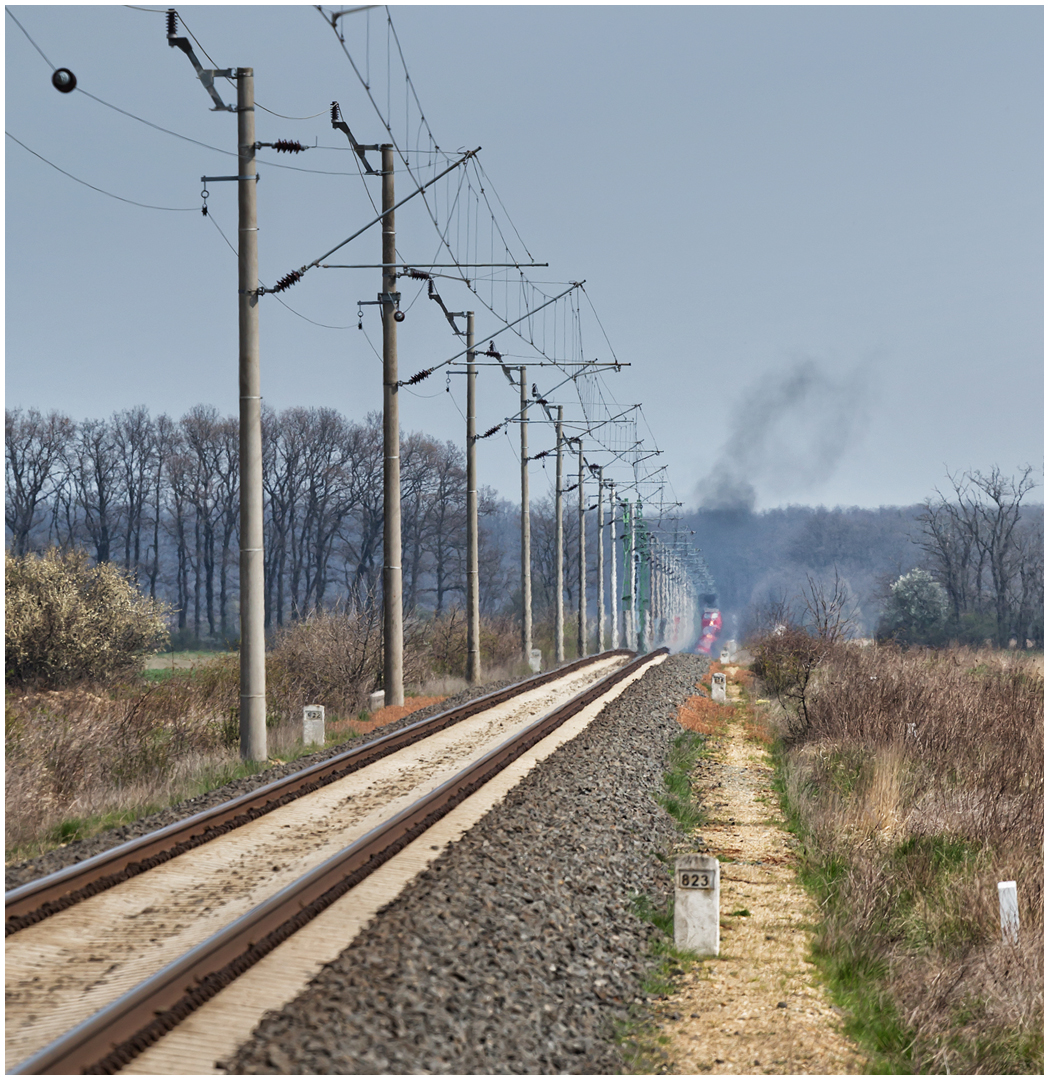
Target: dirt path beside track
[757,1007]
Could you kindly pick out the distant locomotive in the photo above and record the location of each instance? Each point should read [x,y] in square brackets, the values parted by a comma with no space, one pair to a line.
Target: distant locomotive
[710,627]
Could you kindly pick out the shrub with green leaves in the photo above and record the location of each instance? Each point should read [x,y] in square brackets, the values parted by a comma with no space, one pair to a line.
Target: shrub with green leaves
[67,620]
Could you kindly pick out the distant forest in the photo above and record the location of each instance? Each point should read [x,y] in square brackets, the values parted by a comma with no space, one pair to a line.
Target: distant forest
[159,497]
[976,536]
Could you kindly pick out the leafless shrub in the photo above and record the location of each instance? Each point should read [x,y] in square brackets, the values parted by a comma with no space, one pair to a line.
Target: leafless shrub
[445,641]
[332,658]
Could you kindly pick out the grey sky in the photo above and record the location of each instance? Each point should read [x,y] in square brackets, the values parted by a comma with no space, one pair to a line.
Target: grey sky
[850,197]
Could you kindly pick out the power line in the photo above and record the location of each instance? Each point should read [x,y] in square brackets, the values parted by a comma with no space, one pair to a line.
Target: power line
[312,116]
[101,191]
[149,123]
[31,41]
[207,146]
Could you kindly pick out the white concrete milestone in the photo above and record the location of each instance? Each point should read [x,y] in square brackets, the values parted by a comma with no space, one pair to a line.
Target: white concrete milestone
[717,687]
[697,903]
[313,724]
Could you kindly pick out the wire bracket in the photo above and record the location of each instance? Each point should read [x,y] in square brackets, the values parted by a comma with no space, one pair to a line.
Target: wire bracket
[207,76]
[340,125]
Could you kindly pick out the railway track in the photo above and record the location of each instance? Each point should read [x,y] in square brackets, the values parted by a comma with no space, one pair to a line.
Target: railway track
[105,957]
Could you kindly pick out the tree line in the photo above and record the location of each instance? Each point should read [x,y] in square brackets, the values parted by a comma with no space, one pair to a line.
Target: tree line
[159,497]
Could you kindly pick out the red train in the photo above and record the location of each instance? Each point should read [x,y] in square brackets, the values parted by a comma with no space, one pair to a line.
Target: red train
[710,628]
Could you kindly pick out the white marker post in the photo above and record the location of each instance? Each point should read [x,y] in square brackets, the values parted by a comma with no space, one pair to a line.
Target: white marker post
[313,724]
[697,904]
[1010,912]
[717,687]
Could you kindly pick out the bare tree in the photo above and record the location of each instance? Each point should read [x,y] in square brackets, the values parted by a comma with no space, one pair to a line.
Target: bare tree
[998,514]
[94,469]
[443,529]
[34,468]
[979,546]
[135,443]
[831,611]
[359,539]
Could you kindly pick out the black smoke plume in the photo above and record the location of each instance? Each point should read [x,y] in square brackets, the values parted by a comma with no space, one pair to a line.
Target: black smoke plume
[787,434]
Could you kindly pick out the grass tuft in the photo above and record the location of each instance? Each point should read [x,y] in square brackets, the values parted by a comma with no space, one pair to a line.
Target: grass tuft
[677,796]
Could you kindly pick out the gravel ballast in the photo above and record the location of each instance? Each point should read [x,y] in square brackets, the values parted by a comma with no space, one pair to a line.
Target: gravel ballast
[79,850]
[517,950]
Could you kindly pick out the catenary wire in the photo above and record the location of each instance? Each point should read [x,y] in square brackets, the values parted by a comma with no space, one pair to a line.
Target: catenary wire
[101,191]
[207,146]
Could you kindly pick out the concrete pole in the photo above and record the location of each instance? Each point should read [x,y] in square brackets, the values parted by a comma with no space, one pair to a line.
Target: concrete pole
[393,620]
[559,545]
[581,637]
[526,530]
[631,630]
[252,581]
[613,589]
[657,600]
[600,560]
[473,608]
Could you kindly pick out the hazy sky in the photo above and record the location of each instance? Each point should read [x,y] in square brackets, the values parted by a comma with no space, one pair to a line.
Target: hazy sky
[814,233]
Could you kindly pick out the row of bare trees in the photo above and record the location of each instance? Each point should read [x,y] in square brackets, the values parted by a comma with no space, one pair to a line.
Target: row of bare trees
[987,550]
[160,498]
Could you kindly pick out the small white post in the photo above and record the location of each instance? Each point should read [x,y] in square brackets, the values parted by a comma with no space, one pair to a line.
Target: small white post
[313,724]
[697,904]
[376,700]
[535,660]
[1010,912]
[717,687]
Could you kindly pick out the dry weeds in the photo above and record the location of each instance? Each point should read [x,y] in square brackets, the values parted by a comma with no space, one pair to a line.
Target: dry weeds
[918,786]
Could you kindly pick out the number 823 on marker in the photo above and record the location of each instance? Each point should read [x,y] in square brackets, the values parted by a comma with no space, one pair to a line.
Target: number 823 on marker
[695,879]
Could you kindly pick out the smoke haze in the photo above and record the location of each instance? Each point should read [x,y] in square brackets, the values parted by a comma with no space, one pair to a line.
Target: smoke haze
[787,433]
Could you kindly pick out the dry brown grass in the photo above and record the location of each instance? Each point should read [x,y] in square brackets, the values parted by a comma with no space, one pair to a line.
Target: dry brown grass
[909,829]
[110,752]
[386,715]
[704,716]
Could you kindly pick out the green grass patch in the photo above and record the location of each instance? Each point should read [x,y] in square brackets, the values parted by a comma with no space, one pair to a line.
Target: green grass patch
[639,1039]
[677,796]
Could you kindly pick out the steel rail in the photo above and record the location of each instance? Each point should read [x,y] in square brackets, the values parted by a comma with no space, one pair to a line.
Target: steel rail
[107,1041]
[36,900]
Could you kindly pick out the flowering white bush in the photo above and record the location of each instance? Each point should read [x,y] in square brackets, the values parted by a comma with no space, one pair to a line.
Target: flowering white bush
[67,620]
[917,609]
